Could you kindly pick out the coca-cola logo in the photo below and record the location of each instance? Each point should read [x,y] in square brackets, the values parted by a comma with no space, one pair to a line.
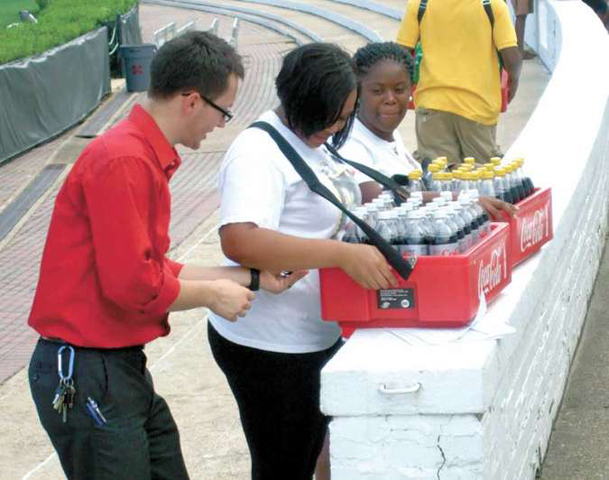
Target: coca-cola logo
[492,273]
[534,228]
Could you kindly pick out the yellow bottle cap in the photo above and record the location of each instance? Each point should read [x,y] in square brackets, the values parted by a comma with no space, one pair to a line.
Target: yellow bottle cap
[415,175]
[495,160]
[469,160]
[437,175]
[434,167]
[488,175]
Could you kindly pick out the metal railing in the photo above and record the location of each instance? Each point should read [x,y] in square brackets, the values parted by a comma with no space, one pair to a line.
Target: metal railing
[164,34]
[187,27]
[234,33]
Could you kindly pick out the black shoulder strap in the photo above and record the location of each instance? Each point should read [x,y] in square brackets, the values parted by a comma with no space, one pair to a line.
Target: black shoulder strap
[394,258]
[422,8]
[387,182]
[489,12]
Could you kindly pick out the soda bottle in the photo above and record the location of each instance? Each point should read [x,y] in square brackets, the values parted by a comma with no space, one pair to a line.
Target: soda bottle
[522,188]
[496,161]
[416,241]
[487,186]
[511,184]
[349,234]
[502,190]
[444,241]
[470,216]
[415,182]
[428,176]
[483,218]
[528,183]
[462,220]
[387,200]
[457,225]
[470,161]
[436,182]
[386,227]
[516,182]
[397,226]
[458,182]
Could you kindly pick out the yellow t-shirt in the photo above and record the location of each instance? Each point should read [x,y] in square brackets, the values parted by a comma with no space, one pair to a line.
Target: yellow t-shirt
[460,68]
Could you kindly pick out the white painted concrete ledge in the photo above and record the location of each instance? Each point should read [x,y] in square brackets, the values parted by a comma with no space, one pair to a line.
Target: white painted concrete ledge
[485,409]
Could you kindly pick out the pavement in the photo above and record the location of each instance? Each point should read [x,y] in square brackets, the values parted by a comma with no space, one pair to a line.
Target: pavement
[181,364]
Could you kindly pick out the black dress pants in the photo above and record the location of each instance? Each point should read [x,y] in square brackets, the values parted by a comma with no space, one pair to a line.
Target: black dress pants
[139,440]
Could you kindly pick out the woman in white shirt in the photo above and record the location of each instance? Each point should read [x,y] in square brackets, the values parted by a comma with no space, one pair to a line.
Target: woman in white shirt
[270,220]
[384,71]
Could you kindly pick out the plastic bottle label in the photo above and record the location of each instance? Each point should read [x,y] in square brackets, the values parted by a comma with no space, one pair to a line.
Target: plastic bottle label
[416,250]
[444,249]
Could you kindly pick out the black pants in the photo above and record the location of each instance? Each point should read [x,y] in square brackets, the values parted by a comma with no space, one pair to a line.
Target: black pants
[278,399]
[140,439]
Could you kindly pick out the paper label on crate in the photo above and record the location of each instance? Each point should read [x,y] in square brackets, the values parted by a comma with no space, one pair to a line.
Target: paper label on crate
[535,228]
[396,299]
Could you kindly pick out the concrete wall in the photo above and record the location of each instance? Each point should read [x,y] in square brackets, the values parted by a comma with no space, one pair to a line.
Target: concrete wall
[484,409]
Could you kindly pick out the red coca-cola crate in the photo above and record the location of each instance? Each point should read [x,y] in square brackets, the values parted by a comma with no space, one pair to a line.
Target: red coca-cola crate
[441,291]
[531,226]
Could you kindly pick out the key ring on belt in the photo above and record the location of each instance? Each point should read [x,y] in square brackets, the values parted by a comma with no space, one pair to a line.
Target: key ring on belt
[62,377]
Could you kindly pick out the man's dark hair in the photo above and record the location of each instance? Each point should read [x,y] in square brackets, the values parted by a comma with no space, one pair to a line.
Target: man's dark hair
[313,86]
[197,61]
[368,56]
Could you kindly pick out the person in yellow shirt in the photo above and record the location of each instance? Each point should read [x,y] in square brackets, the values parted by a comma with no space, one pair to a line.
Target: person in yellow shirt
[458,97]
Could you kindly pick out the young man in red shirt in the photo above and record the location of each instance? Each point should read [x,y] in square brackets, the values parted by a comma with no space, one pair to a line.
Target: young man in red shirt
[106,285]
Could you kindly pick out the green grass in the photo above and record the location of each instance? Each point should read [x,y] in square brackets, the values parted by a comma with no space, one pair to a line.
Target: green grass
[9,10]
[58,23]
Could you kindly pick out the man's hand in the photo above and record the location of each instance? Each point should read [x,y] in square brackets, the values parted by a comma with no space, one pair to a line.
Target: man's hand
[367,266]
[230,300]
[496,207]
[280,282]
[512,86]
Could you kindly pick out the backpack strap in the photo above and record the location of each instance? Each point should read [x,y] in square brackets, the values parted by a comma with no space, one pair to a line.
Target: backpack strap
[489,12]
[485,3]
[422,8]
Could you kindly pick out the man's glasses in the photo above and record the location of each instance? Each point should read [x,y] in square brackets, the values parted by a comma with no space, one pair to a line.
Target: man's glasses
[228,116]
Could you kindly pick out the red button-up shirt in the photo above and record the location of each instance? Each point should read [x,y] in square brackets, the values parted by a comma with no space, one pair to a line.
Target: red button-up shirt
[105,281]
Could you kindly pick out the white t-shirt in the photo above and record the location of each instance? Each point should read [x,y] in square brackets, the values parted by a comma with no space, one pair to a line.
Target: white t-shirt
[259,185]
[365,147]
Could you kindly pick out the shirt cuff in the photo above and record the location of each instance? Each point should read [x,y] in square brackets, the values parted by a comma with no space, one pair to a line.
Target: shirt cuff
[174,266]
[167,295]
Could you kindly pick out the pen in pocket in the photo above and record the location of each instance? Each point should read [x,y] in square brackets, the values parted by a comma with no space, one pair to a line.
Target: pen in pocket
[94,412]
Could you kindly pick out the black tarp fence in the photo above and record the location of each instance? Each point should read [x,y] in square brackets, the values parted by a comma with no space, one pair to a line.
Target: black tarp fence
[44,95]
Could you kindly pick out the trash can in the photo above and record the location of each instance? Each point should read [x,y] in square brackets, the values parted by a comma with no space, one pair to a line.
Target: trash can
[136,61]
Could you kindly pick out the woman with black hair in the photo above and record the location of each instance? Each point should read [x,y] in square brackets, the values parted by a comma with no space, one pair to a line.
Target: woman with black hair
[384,70]
[269,219]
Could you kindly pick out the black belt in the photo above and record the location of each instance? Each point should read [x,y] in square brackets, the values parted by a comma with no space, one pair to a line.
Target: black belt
[59,341]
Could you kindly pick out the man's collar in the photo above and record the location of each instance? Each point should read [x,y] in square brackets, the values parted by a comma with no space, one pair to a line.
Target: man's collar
[165,152]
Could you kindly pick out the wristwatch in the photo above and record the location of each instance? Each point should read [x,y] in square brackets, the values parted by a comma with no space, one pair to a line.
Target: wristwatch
[255,282]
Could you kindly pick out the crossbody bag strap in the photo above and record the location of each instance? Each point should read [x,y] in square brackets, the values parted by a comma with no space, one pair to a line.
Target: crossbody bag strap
[387,182]
[394,258]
